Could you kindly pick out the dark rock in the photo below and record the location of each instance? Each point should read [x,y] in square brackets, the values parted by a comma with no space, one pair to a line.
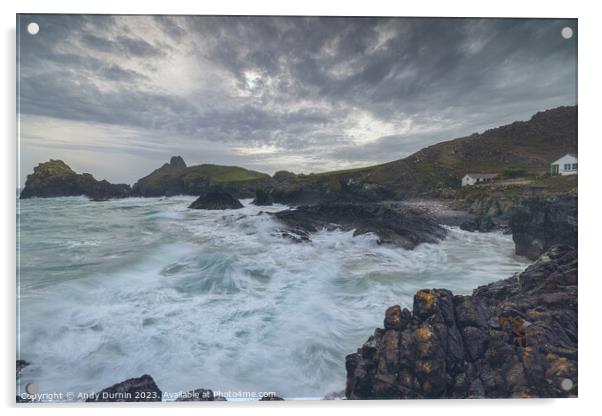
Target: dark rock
[318,189]
[270,398]
[141,389]
[295,235]
[216,200]
[263,197]
[482,224]
[539,223]
[55,178]
[512,338]
[406,228]
[283,175]
[177,163]
[21,364]
[199,395]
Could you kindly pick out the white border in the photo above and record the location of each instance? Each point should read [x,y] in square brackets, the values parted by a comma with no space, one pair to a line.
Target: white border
[590,135]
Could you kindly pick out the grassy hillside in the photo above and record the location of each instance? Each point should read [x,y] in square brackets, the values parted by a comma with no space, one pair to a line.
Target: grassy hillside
[176,178]
[222,174]
[527,146]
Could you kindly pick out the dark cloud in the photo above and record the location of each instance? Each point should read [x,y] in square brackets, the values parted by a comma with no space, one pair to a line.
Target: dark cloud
[348,89]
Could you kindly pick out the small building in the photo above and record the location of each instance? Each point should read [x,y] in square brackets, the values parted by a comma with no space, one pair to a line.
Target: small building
[566,165]
[477,178]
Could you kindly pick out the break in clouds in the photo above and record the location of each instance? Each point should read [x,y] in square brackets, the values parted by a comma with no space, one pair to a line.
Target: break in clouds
[116,96]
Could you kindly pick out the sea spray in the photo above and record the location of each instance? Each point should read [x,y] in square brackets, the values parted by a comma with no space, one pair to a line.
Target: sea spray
[215,299]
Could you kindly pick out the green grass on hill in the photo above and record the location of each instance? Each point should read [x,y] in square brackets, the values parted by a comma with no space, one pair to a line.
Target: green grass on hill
[222,174]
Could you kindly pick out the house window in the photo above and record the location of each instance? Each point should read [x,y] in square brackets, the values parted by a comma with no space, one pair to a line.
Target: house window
[574,166]
[567,166]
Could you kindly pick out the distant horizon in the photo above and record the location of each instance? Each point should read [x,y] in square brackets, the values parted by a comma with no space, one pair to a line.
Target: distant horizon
[117,96]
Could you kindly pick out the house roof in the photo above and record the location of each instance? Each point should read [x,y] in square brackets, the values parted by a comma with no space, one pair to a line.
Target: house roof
[568,154]
[482,175]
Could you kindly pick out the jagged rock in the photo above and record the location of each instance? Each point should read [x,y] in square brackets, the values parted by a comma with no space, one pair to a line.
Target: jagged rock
[539,223]
[271,398]
[283,175]
[513,338]
[216,200]
[200,395]
[481,224]
[55,178]
[263,197]
[141,389]
[406,228]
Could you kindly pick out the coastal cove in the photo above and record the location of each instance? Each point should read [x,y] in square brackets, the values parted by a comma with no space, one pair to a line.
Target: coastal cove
[216,298]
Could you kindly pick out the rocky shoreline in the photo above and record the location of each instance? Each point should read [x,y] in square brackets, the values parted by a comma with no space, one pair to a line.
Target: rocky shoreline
[512,338]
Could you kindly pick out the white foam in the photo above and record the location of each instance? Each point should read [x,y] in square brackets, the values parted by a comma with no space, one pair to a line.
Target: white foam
[217,299]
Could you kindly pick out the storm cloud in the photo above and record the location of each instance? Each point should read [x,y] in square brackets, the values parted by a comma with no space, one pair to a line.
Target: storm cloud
[118,95]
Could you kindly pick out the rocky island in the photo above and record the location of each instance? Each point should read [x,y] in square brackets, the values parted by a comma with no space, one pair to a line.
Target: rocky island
[55,178]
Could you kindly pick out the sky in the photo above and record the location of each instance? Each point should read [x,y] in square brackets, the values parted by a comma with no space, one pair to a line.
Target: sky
[117,96]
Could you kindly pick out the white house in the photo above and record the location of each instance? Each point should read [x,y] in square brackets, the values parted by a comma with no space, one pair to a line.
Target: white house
[475,178]
[566,165]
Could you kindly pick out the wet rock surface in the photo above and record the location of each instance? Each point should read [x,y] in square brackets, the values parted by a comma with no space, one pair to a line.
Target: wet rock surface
[141,389]
[405,229]
[513,338]
[479,224]
[216,199]
[263,197]
[539,223]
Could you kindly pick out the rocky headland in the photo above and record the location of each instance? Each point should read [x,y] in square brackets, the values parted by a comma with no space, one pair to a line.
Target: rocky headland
[55,178]
[176,178]
[512,338]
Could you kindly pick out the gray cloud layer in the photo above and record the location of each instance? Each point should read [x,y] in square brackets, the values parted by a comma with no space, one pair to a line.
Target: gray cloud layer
[277,92]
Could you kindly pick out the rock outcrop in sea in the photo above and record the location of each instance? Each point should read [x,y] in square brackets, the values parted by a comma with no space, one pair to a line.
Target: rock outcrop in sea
[140,389]
[513,338]
[55,178]
[405,229]
[263,197]
[216,199]
[539,223]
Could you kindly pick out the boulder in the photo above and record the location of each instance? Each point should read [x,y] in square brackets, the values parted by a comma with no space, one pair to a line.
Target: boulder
[141,389]
[216,199]
[539,223]
[404,228]
[513,338]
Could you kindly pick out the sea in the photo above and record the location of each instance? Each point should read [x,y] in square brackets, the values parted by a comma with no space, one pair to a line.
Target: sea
[218,300]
